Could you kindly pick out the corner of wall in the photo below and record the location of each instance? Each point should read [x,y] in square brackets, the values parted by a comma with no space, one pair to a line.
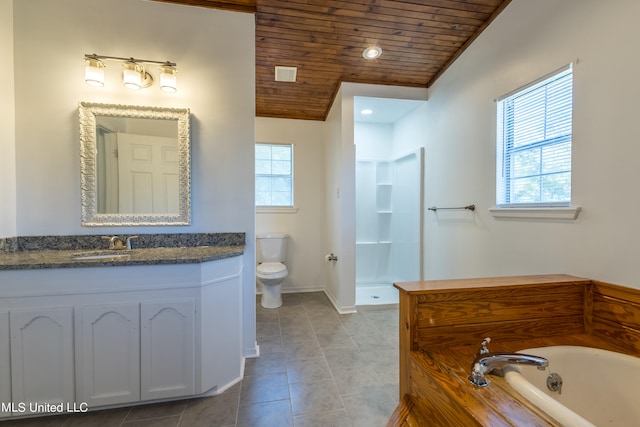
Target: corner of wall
[8,217]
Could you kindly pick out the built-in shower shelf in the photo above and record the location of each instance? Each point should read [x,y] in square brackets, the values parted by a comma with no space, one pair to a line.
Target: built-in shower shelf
[385,212]
[366,243]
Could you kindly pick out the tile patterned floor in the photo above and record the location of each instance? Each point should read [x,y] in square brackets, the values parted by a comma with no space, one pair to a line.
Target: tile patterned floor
[317,368]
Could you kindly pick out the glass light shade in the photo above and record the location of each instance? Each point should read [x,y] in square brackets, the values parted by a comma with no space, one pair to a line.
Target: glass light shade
[132,75]
[372,52]
[94,72]
[168,80]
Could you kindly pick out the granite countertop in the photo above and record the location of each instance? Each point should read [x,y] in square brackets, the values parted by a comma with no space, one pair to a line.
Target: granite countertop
[41,252]
[32,260]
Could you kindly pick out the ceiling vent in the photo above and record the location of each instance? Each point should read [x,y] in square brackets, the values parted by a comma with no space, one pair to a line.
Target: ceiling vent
[286,74]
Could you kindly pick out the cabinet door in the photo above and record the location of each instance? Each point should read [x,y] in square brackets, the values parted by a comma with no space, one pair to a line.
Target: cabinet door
[109,365]
[167,349]
[42,355]
[5,365]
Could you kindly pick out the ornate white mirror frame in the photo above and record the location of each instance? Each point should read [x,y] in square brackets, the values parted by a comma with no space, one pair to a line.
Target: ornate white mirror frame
[90,215]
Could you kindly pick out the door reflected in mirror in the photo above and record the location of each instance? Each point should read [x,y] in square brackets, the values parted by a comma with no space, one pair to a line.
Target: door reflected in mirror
[135,165]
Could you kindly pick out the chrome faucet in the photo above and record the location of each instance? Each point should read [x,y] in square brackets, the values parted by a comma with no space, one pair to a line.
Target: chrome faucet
[486,361]
[116,242]
[128,241]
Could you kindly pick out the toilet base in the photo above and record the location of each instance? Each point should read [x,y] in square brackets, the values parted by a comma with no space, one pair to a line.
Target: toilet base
[271,296]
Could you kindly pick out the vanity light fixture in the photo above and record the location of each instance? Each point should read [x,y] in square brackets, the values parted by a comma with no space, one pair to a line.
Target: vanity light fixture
[93,71]
[366,111]
[134,74]
[372,52]
[168,81]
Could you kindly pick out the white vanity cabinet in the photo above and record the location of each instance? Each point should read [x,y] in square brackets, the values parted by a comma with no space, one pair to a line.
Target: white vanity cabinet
[109,336]
[167,349]
[109,354]
[136,351]
[42,362]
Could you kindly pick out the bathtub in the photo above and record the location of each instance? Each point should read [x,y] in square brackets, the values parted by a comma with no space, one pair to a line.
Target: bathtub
[599,387]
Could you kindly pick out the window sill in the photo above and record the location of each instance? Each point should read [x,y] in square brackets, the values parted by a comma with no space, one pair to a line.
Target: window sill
[569,214]
[276,210]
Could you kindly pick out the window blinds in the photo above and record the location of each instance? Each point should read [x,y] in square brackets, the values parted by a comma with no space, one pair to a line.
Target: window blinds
[534,143]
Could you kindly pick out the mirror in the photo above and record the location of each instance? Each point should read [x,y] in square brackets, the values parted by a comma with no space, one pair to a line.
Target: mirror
[134,165]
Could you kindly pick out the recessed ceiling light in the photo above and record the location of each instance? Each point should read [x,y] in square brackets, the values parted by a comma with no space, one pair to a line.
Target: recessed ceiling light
[371,52]
[366,111]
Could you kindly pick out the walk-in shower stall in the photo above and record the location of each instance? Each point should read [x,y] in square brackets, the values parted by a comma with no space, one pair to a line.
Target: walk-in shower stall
[388,225]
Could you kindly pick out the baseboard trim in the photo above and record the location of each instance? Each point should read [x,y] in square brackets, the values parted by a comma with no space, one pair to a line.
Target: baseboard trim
[292,290]
[301,290]
[253,352]
[341,310]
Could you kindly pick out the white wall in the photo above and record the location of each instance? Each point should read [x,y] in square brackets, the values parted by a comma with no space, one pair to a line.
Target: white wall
[528,40]
[409,132]
[7,124]
[306,226]
[373,140]
[216,80]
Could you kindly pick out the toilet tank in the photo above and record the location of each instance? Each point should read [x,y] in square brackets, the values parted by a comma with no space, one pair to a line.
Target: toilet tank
[271,247]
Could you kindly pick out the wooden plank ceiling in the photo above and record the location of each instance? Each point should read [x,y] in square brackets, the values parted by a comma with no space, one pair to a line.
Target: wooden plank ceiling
[324,39]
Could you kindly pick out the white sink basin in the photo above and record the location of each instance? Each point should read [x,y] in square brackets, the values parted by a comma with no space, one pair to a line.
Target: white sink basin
[99,255]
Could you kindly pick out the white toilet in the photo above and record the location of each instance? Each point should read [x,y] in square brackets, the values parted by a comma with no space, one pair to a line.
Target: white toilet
[271,253]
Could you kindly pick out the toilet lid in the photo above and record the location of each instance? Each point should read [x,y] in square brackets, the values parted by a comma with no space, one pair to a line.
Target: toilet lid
[271,268]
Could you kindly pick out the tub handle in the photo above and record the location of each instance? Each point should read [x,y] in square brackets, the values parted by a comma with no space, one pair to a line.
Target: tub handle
[483,346]
[554,382]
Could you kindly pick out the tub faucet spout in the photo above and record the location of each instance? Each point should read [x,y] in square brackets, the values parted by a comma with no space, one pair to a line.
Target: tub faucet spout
[483,364]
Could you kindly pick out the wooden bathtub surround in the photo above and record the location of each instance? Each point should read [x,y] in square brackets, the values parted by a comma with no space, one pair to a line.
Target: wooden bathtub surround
[614,315]
[442,323]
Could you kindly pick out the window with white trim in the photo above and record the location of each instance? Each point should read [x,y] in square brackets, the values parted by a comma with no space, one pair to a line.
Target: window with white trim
[533,164]
[274,175]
